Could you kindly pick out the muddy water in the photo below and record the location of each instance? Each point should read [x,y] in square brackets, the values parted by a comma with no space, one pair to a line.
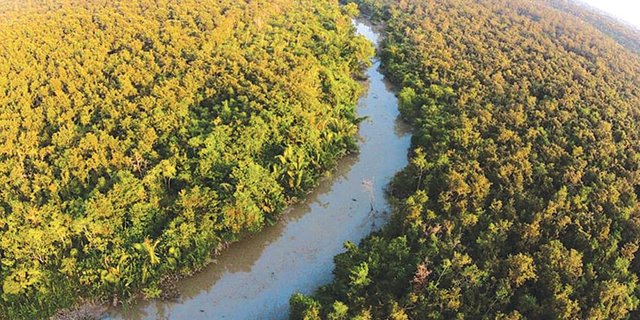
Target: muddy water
[254,278]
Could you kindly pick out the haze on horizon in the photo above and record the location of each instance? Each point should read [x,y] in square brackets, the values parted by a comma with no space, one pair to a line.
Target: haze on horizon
[625,10]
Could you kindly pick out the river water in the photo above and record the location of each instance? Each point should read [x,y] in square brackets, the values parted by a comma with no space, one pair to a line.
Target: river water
[254,278]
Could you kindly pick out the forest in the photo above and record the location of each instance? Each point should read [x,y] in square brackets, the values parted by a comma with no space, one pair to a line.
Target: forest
[139,137]
[521,197]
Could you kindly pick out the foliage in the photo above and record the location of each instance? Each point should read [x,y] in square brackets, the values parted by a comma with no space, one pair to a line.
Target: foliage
[521,199]
[136,137]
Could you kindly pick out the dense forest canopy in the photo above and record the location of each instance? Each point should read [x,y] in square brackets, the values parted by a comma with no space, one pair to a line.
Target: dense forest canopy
[136,137]
[521,198]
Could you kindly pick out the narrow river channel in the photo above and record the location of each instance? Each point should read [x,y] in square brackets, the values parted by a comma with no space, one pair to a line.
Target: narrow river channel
[254,278]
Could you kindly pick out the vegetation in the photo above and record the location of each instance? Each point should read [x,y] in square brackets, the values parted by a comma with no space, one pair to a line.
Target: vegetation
[139,136]
[521,198]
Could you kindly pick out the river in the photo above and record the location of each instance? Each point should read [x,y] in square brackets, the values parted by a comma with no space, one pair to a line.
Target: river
[254,278]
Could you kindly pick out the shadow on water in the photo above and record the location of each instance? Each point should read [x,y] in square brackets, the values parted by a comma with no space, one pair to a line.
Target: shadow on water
[254,278]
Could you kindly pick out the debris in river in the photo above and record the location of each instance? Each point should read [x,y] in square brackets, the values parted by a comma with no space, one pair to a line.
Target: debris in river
[367,185]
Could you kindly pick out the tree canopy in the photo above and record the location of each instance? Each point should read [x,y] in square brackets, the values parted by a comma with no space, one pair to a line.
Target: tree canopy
[137,137]
[521,198]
